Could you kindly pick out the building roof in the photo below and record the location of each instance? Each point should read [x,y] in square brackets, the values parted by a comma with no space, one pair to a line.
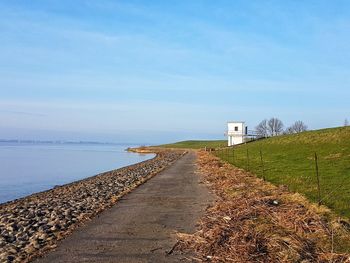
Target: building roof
[236,122]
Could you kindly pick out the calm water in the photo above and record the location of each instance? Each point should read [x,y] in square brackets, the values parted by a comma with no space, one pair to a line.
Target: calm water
[30,168]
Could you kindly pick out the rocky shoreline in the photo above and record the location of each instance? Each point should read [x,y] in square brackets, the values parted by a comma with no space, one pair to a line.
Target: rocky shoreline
[32,225]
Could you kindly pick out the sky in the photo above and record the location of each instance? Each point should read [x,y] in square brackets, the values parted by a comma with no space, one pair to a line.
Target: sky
[162,71]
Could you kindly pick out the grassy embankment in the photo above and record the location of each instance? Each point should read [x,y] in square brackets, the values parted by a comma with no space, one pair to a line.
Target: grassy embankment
[196,144]
[290,160]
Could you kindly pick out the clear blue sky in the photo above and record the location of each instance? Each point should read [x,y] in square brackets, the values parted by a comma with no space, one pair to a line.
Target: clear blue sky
[158,71]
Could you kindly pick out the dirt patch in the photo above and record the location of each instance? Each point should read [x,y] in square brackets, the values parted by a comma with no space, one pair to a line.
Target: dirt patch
[255,221]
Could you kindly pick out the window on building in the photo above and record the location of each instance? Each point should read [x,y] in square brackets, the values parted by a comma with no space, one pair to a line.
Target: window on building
[236,128]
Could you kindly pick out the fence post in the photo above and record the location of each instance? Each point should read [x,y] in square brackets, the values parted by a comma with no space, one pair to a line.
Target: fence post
[233,155]
[248,168]
[318,179]
[262,165]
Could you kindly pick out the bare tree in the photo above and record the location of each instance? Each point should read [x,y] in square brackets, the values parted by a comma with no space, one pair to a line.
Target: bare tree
[346,122]
[289,130]
[275,126]
[261,129]
[297,127]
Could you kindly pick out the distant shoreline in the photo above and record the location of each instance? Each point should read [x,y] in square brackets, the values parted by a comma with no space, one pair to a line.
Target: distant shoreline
[21,141]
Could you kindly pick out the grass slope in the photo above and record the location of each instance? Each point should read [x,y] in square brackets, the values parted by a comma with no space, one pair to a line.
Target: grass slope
[196,144]
[289,160]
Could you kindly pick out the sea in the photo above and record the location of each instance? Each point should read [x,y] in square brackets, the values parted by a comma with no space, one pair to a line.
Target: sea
[27,168]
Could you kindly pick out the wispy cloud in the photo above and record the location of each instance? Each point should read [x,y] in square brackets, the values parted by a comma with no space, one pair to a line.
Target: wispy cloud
[22,113]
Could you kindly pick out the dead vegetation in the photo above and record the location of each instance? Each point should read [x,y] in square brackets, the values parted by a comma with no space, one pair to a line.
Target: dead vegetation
[255,221]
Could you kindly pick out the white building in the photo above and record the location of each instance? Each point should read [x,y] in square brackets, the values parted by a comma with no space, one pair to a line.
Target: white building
[236,132]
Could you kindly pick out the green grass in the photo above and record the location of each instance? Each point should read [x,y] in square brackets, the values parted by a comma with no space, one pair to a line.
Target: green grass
[196,144]
[290,160]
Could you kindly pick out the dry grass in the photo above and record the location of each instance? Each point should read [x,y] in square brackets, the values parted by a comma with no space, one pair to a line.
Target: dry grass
[255,221]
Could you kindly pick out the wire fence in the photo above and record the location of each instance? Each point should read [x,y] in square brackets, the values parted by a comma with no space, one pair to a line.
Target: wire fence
[322,177]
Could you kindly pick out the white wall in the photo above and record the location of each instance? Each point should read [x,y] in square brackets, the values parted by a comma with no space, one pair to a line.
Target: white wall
[235,133]
[231,127]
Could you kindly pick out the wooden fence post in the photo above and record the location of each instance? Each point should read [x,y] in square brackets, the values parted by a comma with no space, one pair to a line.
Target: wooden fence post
[248,168]
[233,155]
[318,180]
[262,165]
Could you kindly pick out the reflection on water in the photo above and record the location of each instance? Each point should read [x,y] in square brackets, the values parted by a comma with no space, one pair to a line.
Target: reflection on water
[30,168]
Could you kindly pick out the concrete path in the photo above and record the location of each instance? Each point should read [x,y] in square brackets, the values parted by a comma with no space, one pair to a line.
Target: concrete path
[141,226]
